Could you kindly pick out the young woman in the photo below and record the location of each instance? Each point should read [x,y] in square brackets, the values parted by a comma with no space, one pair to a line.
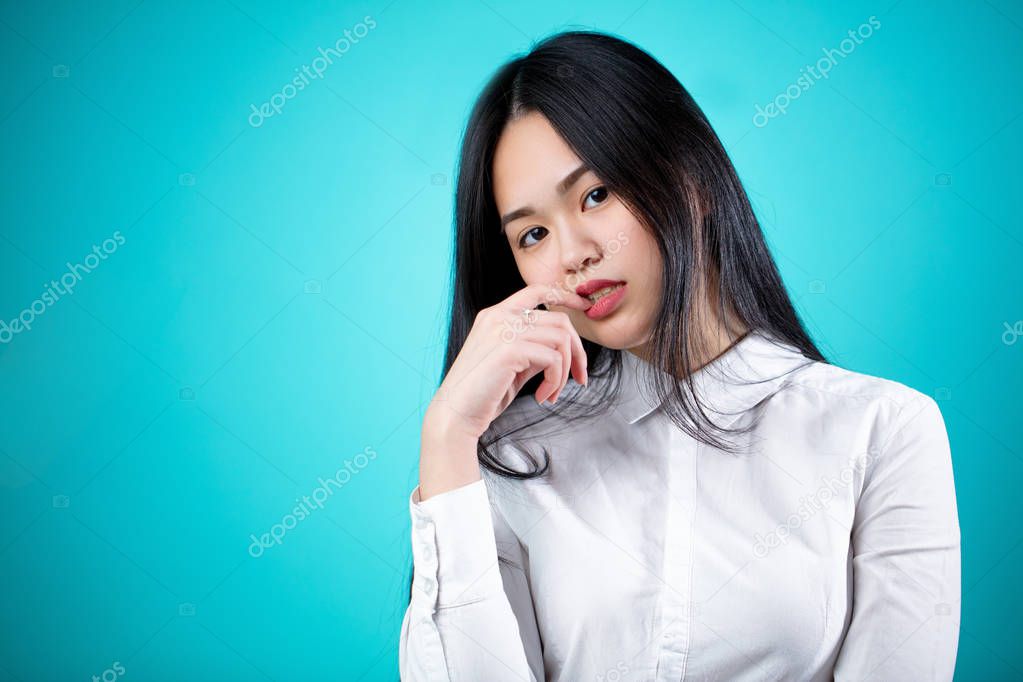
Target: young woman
[638,466]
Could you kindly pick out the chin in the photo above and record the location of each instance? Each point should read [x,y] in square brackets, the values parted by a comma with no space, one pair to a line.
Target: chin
[613,334]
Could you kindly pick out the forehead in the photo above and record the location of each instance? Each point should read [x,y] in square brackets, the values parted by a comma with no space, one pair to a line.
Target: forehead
[529,160]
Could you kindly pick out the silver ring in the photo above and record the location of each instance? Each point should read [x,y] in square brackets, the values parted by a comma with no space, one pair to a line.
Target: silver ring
[526,312]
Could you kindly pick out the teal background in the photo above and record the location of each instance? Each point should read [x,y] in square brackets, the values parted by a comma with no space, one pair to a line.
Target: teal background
[278,304]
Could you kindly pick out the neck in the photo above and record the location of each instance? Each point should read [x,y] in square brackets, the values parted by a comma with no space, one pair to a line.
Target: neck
[715,337]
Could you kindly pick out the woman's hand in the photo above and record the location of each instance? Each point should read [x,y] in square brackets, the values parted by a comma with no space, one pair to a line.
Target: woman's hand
[502,351]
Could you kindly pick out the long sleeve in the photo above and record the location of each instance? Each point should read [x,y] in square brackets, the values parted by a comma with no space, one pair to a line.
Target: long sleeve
[906,556]
[471,615]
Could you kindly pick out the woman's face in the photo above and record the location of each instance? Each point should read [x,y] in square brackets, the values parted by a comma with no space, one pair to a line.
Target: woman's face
[576,235]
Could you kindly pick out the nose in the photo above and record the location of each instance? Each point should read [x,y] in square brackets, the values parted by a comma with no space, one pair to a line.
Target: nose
[578,253]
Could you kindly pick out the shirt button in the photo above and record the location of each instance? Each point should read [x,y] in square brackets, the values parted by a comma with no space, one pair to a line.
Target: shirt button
[428,586]
[428,552]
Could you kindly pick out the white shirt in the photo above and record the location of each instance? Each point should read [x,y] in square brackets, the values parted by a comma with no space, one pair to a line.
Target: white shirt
[830,549]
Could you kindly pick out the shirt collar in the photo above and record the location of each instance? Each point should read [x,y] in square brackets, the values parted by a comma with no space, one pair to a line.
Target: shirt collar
[751,370]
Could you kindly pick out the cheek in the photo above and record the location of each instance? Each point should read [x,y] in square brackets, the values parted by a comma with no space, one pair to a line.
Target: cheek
[631,245]
[538,266]
[531,271]
[526,269]
[622,230]
[640,258]
[640,247]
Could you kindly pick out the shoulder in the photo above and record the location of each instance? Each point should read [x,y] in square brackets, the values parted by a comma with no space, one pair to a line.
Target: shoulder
[833,386]
[887,407]
[836,384]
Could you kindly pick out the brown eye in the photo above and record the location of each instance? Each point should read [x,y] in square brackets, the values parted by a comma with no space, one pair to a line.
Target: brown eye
[599,194]
[528,232]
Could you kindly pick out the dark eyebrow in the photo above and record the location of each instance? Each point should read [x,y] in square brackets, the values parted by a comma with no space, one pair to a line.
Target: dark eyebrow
[562,187]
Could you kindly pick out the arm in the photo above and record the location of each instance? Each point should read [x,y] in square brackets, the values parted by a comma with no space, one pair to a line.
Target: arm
[906,557]
[471,614]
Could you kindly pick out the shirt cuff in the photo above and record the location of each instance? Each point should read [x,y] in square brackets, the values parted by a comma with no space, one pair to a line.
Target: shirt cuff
[453,547]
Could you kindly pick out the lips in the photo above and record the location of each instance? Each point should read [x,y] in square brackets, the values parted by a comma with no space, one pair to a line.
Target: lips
[607,303]
[590,286]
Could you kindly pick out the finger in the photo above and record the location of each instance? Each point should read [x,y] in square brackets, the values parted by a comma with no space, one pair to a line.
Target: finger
[558,339]
[577,359]
[548,294]
[541,357]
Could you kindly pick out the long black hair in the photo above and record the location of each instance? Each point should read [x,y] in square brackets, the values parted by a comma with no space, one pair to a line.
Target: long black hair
[628,119]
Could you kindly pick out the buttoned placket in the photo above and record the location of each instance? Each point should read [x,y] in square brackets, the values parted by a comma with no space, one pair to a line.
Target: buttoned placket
[676,597]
